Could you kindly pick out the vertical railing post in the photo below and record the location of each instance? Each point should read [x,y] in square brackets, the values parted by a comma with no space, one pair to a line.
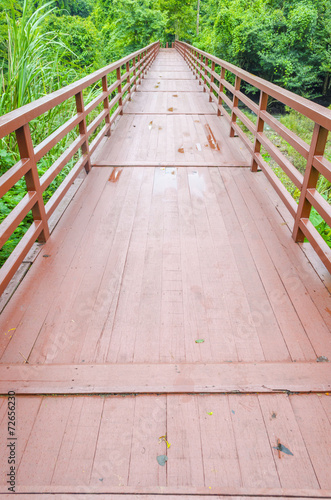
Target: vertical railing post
[317,147]
[128,80]
[221,90]
[119,88]
[139,68]
[83,129]
[25,146]
[106,104]
[134,71]
[205,73]
[235,103]
[259,128]
[211,80]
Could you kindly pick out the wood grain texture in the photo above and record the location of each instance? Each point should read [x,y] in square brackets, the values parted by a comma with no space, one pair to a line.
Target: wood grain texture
[163,378]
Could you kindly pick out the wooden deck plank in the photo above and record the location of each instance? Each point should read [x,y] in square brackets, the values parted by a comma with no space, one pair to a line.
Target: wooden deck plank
[312,321]
[179,492]
[294,471]
[121,345]
[257,465]
[169,75]
[261,315]
[112,458]
[185,145]
[82,312]
[294,334]
[170,103]
[185,462]
[175,85]
[76,455]
[220,457]
[149,425]
[162,378]
[214,252]
[35,294]
[97,341]
[313,421]
[37,467]
[274,209]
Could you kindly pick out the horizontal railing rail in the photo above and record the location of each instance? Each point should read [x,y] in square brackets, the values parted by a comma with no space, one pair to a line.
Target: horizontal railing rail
[113,96]
[205,66]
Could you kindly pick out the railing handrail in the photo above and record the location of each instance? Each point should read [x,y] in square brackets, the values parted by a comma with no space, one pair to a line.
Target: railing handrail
[317,113]
[18,117]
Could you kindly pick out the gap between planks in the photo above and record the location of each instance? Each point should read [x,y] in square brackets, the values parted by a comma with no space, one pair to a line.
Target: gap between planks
[165,378]
[178,491]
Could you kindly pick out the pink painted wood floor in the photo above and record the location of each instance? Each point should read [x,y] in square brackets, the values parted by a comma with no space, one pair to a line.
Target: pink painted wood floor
[145,261]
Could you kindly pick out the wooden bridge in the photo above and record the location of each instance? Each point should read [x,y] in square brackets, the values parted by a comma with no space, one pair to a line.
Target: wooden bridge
[172,336]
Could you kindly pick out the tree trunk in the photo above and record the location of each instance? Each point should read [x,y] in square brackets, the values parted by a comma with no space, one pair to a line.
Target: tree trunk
[198,16]
[326,83]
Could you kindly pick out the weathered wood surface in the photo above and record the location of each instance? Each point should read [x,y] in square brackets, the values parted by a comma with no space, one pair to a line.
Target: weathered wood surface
[144,262]
[166,378]
[171,121]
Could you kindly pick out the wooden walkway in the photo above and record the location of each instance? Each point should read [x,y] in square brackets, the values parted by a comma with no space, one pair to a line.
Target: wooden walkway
[170,304]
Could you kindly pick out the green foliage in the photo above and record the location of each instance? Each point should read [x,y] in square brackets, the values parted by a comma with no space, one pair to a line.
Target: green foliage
[128,25]
[81,36]
[287,43]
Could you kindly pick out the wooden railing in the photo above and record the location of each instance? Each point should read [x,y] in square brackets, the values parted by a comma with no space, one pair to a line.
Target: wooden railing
[127,74]
[211,73]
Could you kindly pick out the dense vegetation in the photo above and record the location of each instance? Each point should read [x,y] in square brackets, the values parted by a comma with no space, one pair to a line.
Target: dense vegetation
[46,45]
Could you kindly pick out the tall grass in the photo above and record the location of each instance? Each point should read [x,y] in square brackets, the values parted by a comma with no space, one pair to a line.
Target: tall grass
[28,73]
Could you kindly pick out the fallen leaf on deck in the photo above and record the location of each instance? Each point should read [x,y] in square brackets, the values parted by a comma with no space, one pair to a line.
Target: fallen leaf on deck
[210,412]
[199,341]
[162,459]
[322,359]
[150,125]
[164,438]
[281,447]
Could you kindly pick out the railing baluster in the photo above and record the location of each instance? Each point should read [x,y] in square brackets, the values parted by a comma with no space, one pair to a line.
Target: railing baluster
[32,180]
[259,128]
[235,103]
[128,80]
[221,90]
[119,88]
[205,74]
[83,129]
[106,104]
[317,148]
[211,80]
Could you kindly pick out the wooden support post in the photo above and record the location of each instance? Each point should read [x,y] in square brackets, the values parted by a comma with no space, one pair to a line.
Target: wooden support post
[128,80]
[119,89]
[166,45]
[317,147]
[83,129]
[234,106]
[25,146]
[221,90]
[211,80]
[106,105]
[259,128]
